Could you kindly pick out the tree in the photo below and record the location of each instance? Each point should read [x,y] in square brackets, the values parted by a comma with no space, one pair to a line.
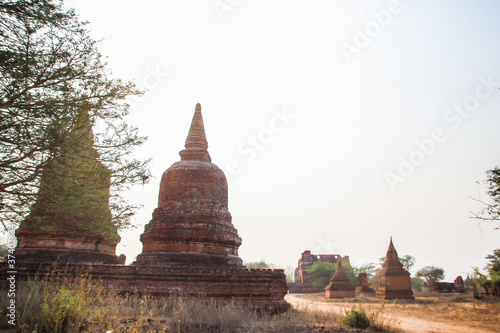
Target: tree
[491,210]
[369,269]
[493,267]
[417,284]
[494,261]
[322,272]
[51,70]
[431,275]
[259,265]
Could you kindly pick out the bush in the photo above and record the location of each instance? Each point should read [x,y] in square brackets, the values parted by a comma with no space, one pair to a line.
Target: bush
[356,318]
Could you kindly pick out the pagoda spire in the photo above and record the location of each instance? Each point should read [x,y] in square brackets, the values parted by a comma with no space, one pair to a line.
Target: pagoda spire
[196,143]
[391,257]
[197,139]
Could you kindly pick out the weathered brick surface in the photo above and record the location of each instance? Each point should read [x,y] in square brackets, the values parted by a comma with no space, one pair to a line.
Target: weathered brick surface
[192,225]
[258,289]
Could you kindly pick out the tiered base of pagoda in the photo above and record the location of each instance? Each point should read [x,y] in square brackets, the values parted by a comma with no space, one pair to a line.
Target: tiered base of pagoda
[63,248]
[189,259]
[339,293]
[261,290]
[394,294]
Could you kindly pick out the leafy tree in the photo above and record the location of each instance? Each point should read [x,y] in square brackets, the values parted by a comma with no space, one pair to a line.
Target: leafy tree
[493,268]
[408,262]
[491,211]
[417,284]
[369,269]
[259,265]
[481,281]
[322,272]
[494,264]
[50,70]
[431,275]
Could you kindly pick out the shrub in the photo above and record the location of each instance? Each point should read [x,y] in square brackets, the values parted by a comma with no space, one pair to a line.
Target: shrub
[356,318]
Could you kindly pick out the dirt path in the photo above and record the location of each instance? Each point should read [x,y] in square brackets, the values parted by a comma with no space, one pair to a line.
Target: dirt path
[408,324]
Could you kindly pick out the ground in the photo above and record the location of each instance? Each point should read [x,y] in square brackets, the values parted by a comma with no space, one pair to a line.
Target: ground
[430,312]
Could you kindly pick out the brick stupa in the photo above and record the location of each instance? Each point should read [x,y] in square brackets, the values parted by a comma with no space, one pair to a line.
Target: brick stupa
[190,245]
[393,280]
[340,286]
[192,225]
[70,220]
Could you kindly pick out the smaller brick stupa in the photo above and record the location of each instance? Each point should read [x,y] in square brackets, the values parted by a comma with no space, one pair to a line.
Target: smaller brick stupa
[70,221]
[393,280]
[340,286]
[363,286]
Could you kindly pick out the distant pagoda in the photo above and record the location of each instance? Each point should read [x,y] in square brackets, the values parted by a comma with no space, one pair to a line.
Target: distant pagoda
[340,286]
[393,280]
[70,220]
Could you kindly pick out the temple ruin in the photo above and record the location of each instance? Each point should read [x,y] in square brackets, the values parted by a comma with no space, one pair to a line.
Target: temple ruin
[190,246]
[303,280]
[393,280]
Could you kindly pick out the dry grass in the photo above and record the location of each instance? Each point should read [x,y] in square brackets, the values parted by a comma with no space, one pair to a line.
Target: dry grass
[57,304]
[483,313]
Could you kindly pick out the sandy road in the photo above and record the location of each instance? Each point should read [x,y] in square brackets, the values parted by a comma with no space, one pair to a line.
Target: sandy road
[407,324]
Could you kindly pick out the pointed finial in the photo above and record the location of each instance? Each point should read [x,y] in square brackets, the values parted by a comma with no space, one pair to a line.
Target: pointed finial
[392,255]
[197,139]
[339,266]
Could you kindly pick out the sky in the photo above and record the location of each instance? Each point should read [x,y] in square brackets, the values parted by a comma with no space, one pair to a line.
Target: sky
[338,123]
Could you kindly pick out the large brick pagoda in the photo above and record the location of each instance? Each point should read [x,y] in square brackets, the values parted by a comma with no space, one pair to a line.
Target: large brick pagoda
[192,225]
[190,246]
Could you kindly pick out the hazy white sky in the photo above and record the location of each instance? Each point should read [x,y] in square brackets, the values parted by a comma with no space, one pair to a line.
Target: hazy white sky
[338,123]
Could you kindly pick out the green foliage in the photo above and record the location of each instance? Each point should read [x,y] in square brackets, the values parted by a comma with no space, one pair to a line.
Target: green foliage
[370,269]
[322,272]
[417,284]
[431,274]
[356,318]
[259,265]
[51,71]
[408,262]
[481,280]
[494,261]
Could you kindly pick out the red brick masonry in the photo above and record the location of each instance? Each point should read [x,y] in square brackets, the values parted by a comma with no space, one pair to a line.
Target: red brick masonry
[251,288]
